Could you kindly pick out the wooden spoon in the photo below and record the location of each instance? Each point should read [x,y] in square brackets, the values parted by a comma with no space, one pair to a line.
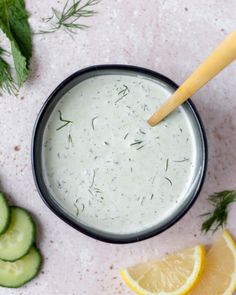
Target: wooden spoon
[215,63]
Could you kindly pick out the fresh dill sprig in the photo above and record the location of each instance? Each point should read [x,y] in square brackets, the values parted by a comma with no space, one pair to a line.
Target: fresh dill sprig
[136,142]
[76,207]
[14,24]
[126,135]
[169,181]
[181,161]
[141,131]
[70,16]
[97,190]
[125,91]
[83,207]
[92,122]
[218,217]
[78,211]
[139,148]
[167,164]
[66,122]
[6,80]
[93,179]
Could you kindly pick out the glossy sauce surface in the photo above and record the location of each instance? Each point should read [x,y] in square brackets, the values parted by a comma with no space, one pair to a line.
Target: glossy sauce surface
[106,165]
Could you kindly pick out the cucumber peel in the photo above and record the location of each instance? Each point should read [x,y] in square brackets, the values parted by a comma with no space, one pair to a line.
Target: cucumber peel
[15,274]
[4,214]
[20,260]
[19,236]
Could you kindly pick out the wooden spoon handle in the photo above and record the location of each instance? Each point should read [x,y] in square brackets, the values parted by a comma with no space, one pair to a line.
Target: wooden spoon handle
[216,62]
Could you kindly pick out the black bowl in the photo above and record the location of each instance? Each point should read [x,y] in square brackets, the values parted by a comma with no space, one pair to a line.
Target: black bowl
[38,131]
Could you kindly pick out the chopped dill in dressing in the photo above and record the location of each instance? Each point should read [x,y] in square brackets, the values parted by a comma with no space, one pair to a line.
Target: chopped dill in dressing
[106,166]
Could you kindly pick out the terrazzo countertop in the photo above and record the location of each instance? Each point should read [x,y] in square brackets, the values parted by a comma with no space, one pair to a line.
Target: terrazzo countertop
[171,37]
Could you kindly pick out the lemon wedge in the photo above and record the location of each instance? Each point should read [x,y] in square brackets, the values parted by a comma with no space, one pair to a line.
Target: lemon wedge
[219,275]
[175,274]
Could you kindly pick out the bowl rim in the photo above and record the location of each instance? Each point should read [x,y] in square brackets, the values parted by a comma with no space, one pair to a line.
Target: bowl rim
[65,217]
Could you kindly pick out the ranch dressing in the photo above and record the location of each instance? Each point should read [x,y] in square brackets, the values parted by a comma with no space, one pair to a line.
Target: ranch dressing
[106,166]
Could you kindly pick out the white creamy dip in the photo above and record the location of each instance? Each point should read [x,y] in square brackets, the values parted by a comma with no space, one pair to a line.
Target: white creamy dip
[105,165]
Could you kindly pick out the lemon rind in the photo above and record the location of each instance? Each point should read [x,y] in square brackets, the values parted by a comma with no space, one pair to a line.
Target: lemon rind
[185,289]
[231,244]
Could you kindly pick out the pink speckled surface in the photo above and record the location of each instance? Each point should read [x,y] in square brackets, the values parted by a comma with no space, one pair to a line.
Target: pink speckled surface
[171,37]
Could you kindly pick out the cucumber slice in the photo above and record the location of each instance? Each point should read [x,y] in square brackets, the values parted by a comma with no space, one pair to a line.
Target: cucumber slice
[15,274]
[4,214]
[19,237]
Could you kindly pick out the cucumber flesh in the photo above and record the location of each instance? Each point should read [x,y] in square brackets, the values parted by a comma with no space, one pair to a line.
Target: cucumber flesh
[4,214]
[15,274]
[19,237]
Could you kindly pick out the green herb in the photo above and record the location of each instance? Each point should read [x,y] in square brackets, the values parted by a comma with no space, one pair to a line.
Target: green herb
[124,92]
[152,195]
[181,161]
[66,122]
[218,217]
[92,183]
[136,142]
[93,190]
[15,26]
[106,143]
[97,190]
[141,131]
[92,122]
[139,148]
[6,81]
[83,207]
[70,16]
[126,135]
[167,164]
[76,207]
[169,181]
